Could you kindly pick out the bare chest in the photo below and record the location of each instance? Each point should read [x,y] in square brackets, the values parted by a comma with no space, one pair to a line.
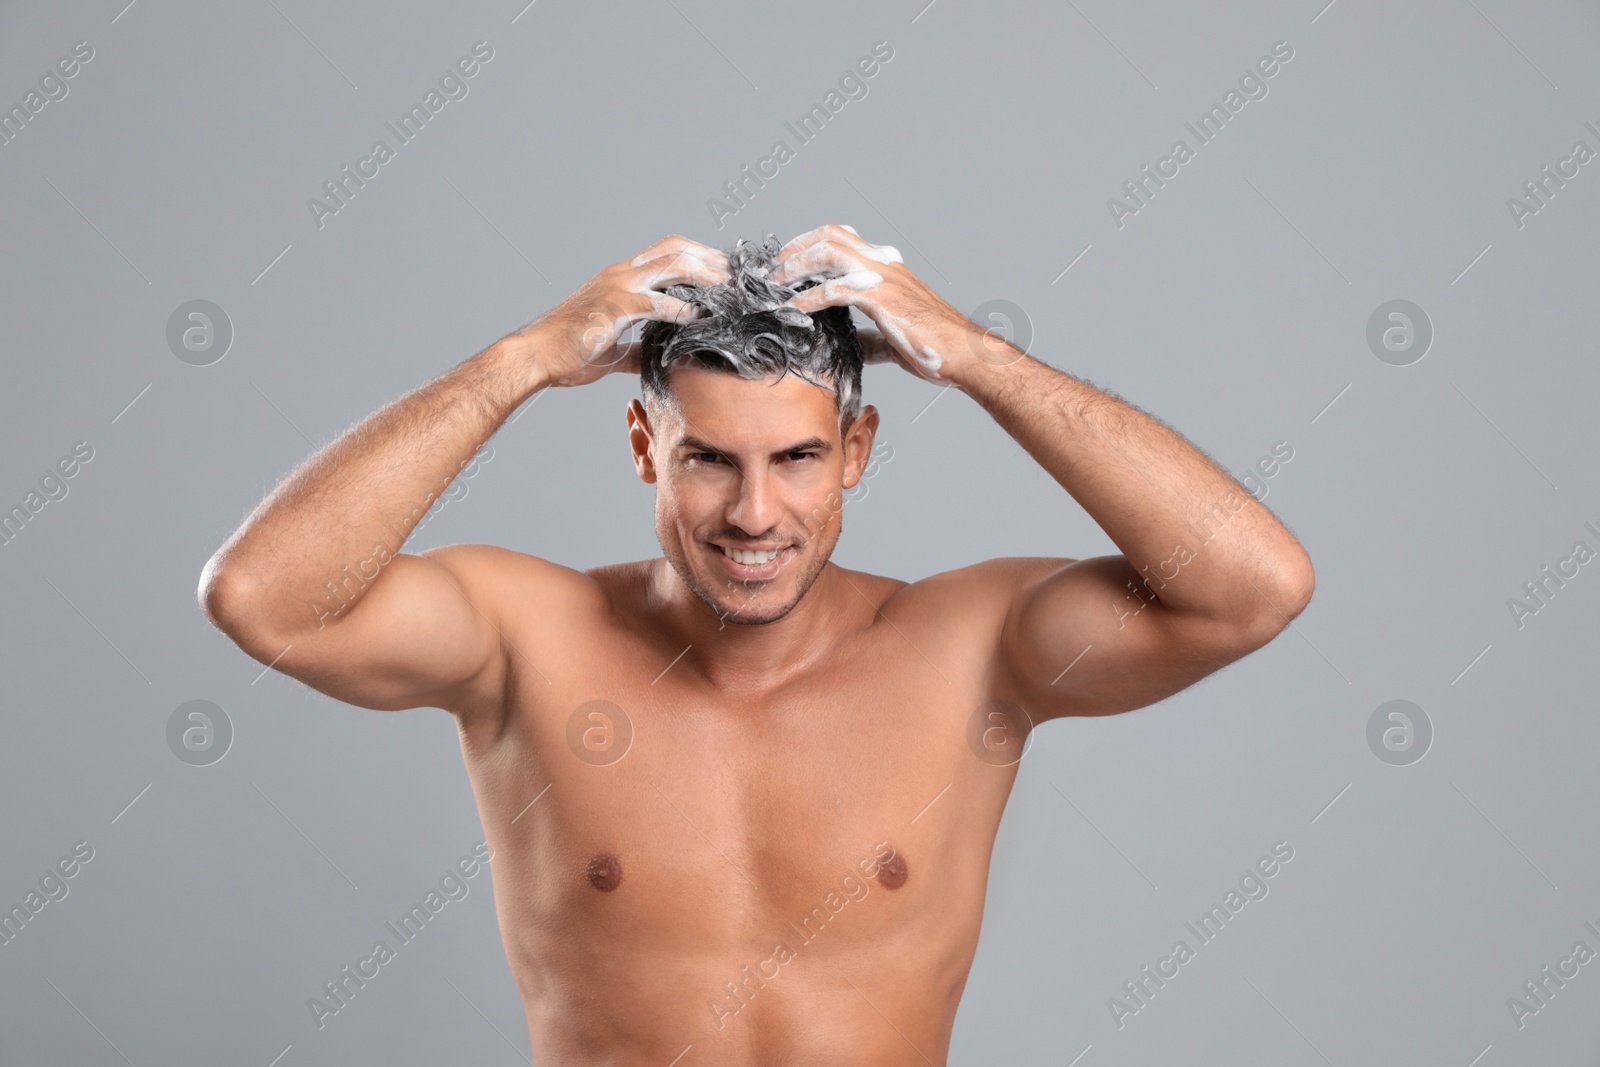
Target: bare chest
[628,797]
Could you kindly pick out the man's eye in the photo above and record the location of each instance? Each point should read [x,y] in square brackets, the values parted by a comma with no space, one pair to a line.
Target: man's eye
[802,455]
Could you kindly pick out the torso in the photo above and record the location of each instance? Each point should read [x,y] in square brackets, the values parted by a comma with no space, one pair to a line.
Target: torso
[789,875]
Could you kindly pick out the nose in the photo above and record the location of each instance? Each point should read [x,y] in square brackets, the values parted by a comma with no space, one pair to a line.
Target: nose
[759,505]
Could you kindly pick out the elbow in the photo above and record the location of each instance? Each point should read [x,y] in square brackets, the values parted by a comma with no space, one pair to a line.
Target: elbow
[1298,581]
[1284,594]
[224,594]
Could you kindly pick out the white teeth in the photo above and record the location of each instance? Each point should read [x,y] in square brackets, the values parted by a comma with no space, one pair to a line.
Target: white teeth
[750,559]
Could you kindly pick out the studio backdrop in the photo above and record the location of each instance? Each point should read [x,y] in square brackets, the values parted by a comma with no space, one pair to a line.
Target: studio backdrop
[1347,249]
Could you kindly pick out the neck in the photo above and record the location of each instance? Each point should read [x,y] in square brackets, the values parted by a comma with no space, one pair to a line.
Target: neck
[736,656]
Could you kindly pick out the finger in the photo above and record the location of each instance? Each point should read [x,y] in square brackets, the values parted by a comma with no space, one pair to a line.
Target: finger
[875,347]
[675,268]
[824,257]
[666,308]
[830,231]
[627,357]
[842,235]
[849,290]
[839,234]
[608,320]
[833,256]
[677,243]
[693,253]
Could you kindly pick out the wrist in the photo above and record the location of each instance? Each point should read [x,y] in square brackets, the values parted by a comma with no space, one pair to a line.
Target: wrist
[516,361]
[982,362]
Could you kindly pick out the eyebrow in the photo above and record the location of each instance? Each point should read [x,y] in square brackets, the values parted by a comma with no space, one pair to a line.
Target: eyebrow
[810,444]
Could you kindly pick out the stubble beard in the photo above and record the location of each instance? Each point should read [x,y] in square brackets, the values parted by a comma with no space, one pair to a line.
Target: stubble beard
[731,600]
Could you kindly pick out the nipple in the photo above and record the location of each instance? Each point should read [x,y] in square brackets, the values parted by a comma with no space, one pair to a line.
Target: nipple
[892,872]
[605,872]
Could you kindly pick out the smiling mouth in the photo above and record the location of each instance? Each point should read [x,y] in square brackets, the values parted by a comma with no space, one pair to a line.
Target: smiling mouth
[753,564]
[751,556]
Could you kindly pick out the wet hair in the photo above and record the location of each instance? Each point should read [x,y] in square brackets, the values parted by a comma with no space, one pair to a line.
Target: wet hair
[742,330]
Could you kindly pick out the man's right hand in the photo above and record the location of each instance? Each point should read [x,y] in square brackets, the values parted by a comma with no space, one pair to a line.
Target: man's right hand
[576,342]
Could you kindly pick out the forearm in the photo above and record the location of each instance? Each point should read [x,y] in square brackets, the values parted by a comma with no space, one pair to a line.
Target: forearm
[1199,542]
[309,551]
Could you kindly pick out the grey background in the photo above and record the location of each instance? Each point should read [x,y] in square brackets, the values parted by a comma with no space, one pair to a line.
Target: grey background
[1233,305]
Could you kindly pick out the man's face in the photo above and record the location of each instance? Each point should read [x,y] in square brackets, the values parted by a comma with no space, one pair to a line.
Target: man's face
[751,466]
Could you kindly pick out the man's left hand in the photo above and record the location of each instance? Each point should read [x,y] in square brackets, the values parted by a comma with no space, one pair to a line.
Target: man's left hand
[916,328]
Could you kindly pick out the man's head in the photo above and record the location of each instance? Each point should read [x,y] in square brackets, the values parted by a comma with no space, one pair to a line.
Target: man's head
[751,427]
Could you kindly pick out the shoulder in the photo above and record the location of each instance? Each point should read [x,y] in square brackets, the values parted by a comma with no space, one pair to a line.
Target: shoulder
[623,587]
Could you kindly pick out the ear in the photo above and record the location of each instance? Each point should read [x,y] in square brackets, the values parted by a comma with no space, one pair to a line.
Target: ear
[858,445]
[640,438]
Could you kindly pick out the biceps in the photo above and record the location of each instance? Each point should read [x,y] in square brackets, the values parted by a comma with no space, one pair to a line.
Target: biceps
[1090,639]
[414,638]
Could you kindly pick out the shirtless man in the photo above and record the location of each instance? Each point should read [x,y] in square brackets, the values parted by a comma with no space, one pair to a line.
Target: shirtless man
[742,815]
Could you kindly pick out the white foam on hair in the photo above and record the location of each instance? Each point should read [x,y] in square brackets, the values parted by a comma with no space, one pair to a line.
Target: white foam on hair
[727,325]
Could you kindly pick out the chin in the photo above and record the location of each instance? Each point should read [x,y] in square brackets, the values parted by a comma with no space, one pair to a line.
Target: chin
[731,618]
[736,606]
